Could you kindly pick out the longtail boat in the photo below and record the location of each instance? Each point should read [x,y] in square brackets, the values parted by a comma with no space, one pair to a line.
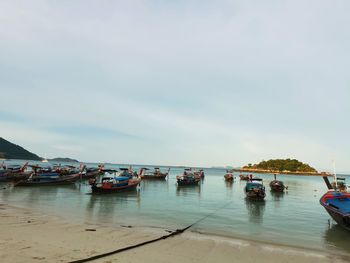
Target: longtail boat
[277,186]
[14,173]
[48,179]
[255,189]
[113,183]
[156,174]
[244,177]
[229,177]
[337,204]
[44,176]
[187,178]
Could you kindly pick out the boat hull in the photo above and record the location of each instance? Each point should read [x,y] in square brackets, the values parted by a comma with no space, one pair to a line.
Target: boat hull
[132,185]
[277,186]
[341,217]
[187,182]
[255,195]
[62,181]
[154,177]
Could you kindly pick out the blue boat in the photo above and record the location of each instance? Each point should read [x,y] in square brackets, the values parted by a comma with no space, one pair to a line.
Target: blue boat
[255,189]
[49,179]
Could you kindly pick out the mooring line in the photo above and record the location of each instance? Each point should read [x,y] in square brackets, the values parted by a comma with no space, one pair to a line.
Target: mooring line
[175,233]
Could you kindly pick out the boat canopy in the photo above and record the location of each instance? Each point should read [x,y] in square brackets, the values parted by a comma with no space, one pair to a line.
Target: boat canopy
[251,186]
[121,178]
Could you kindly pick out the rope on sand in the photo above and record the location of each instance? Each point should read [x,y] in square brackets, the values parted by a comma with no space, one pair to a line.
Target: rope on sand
[175,233]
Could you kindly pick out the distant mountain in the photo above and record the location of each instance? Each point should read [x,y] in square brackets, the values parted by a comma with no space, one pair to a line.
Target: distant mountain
[9,150]
[63,160]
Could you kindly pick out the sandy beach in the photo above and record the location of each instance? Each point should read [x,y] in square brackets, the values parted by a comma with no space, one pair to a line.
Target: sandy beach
[28,236]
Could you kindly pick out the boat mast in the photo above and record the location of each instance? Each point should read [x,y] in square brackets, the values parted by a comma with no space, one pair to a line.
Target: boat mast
[335,175]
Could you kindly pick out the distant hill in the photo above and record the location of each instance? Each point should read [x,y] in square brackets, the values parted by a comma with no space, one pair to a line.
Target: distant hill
[9,150]
[63,160]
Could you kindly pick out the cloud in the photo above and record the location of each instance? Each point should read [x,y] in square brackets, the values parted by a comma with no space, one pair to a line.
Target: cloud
[184,82]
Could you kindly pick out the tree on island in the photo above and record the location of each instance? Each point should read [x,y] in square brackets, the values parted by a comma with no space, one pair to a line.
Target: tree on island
[291,165]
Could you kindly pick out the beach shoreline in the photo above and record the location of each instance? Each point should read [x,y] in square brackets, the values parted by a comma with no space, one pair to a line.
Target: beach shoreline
[31,236]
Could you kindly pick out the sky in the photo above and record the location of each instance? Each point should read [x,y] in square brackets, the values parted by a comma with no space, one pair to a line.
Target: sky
[196,83]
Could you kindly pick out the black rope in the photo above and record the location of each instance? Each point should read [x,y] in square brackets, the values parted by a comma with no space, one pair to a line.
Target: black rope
[175,233]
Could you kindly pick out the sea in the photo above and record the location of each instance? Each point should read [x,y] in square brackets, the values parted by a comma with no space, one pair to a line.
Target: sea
[294,218]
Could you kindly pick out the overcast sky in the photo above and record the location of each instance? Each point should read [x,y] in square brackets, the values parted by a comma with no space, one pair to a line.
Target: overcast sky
[198,83]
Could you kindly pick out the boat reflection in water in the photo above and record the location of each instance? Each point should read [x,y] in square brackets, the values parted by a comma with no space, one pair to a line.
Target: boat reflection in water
[256,210]
[277,196]
[337,240]
[188,191]
[106,208]
[229,184]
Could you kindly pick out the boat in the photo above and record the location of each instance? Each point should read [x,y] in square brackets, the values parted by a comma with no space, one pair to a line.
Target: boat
[187,178]
[199,174]
[156,174]
[113,183]
[337,204]
[229,177]
[14,173]
[244,177]
[277,186]
[255,189]
[92,172]
[340,184]
[50,178]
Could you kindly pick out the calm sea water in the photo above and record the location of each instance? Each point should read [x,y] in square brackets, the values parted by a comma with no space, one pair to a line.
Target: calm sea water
[294,218]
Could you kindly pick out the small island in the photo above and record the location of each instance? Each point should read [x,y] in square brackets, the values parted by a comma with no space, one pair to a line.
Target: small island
[63,160]
[285,166]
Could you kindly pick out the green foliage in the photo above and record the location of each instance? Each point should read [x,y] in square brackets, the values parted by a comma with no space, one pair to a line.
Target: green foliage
[291,165]
[12,151]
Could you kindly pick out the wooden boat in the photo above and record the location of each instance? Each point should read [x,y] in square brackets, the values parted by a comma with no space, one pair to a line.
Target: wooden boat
[244,177]
[187,178]
[50,178]
[277,186]
[199,174]
[14,173]
[255,189]
[114,184]
[156,174]
[337,204]
[340,185]
[93,172]
[229,177]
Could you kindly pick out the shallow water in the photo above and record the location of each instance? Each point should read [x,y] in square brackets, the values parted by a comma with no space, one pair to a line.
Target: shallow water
[294,218]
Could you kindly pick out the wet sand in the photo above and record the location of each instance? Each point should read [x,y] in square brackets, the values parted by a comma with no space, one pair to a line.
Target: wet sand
[28,236]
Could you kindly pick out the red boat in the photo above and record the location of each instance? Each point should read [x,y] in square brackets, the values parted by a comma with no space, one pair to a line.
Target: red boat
[114,184]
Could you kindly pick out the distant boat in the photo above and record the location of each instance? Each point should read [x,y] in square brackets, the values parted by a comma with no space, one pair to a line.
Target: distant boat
[277,186]
[114,183]
[44,160]
[229,177]
[255,189]
[337,204]
[187,178]
[156,174]
[244,177]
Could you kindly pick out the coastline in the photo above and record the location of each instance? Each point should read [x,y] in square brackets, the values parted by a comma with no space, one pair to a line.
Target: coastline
[278,172]
[30,236]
